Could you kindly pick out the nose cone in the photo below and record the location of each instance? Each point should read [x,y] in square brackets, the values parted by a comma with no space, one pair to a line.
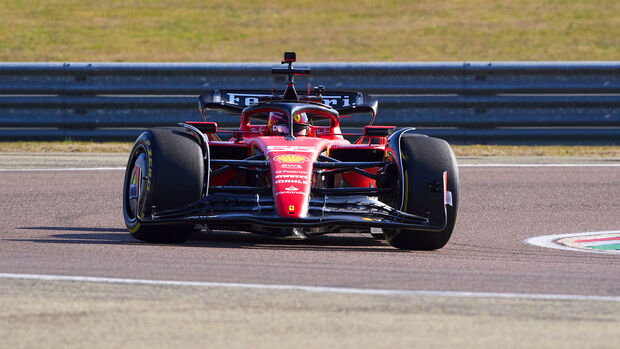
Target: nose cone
[291,164]
[291,182]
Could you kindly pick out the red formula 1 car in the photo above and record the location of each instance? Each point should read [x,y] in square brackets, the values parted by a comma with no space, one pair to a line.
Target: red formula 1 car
[289,172]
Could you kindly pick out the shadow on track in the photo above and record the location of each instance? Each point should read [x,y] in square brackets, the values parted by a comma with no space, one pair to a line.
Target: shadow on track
[83,235]
[334,242]
[218,239]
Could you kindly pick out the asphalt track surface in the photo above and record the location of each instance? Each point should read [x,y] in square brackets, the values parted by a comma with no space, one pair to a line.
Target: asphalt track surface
[486,288]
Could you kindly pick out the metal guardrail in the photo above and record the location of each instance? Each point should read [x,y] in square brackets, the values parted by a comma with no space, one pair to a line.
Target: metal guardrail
[534,102]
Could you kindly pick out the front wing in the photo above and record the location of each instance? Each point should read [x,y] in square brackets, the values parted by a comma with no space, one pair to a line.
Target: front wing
[220,209]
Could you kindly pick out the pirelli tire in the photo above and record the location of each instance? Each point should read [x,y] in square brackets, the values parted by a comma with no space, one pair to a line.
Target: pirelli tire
[165,170]
[424,161]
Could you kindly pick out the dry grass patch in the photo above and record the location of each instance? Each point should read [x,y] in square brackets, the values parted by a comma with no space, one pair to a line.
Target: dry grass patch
[547,150]
[65,147]
[459,150]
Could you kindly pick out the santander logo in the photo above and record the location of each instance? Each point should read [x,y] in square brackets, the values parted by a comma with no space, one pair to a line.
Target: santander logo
[292,188]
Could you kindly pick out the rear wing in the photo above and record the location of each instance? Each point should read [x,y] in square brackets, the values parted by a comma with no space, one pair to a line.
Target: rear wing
[234,101]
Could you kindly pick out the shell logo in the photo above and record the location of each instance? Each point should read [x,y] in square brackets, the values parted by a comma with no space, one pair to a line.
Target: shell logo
[291,158]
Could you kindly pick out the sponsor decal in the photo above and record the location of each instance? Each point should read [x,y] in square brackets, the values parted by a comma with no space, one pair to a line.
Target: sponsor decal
[292,166]
[296,181]
[291,158]
[293,148]
[242,98]
[246,99]
[291,176]
[320,131]
[289,192]
[291,171]
[149,175]
[337,101]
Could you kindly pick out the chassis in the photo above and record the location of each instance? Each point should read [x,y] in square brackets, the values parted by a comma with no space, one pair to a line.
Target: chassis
[401,186]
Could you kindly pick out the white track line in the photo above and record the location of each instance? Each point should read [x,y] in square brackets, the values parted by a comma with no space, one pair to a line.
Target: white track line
[315,289]
[541,165]
[461,165]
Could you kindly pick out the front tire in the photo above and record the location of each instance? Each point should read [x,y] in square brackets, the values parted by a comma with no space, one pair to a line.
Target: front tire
[165,170]
[424,161]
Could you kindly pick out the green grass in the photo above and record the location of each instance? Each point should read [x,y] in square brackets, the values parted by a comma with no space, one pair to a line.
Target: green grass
[319,30]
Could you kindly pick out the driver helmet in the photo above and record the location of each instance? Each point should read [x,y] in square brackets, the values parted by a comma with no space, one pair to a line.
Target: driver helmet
[278,124]
[300,124]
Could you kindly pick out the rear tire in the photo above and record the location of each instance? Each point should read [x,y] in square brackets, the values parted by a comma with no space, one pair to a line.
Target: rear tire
[424,161]
[170,168]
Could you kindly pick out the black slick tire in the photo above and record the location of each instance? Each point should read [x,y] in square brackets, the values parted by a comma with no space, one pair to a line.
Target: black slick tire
[165,170]
[424,161]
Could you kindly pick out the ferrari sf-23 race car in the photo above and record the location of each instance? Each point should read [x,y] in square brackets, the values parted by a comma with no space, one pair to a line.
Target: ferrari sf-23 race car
[289,172]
